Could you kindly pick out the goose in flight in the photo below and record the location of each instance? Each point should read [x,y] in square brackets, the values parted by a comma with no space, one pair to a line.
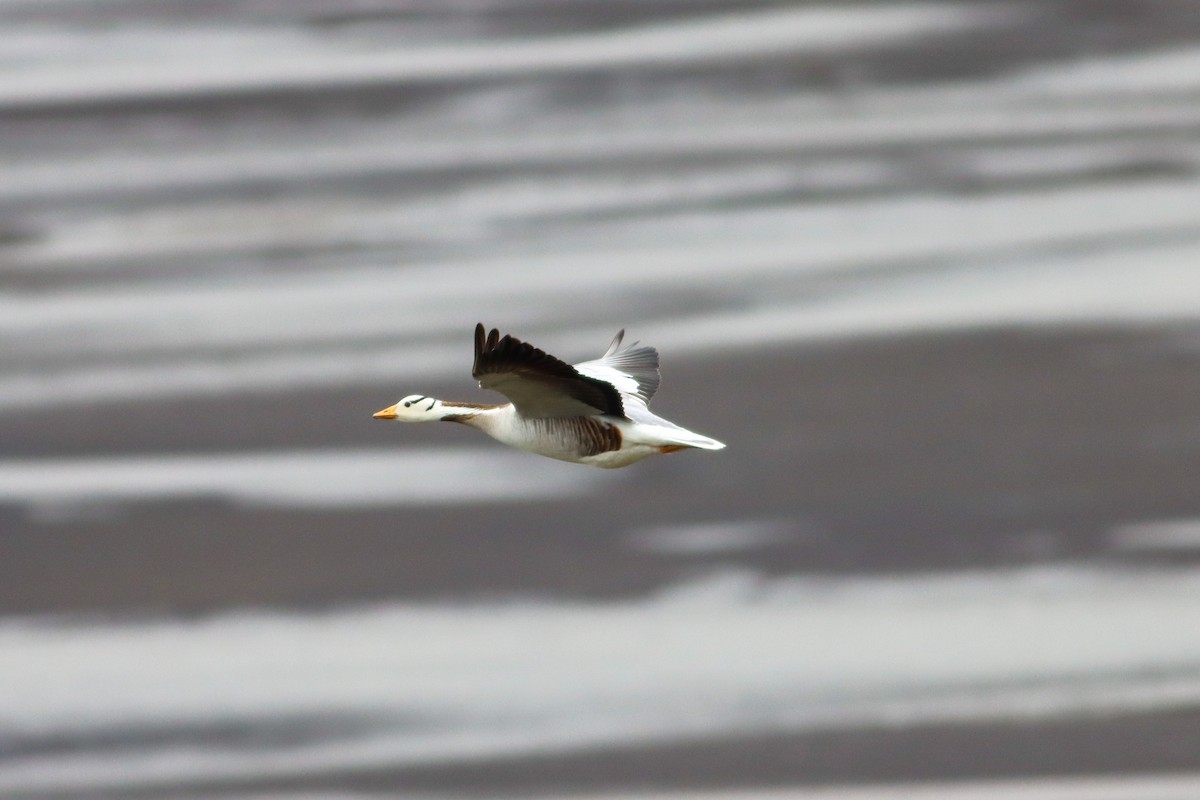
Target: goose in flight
[592,413]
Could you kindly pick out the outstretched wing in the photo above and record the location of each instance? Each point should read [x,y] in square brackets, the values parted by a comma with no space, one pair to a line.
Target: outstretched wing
[537,383]
[632,370]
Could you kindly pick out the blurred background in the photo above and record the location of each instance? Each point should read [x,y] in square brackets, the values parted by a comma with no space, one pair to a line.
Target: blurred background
[931,269]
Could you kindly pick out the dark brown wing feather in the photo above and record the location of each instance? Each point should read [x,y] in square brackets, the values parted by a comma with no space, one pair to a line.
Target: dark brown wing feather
[538,384]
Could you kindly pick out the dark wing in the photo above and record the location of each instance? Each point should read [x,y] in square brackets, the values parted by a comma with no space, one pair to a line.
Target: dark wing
[537,383]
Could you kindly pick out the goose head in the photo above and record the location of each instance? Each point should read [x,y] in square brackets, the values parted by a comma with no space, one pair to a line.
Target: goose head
[414,408]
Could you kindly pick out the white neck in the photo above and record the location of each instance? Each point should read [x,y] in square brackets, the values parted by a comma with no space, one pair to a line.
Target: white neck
[484,417]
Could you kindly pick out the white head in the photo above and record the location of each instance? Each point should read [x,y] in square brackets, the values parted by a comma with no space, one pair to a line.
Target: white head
[414,408]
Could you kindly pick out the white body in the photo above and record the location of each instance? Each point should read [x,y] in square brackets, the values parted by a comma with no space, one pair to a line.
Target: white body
[557,437]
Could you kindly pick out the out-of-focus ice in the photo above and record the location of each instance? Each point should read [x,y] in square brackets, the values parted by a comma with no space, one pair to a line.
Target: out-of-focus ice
[155,249]
[261,254]
[298,479]
[160,61]
[730,653]
[1141,787]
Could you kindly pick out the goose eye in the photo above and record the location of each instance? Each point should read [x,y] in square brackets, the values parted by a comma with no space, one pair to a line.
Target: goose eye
[408,403]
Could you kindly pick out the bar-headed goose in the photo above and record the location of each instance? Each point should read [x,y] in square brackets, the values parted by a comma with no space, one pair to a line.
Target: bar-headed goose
[591,413]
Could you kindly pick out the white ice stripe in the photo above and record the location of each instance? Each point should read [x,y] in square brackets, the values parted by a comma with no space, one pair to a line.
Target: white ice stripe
[1169,786]
[715,537]
[1146,285]
[1173,786]
[727,655]
[1180,536]
[227,228]
[381,311]
[1107,289]
[175,62]
[465,217]
[921,117]
[297,479]
[880,237]
[877,268]
[189,376]
[1172,70]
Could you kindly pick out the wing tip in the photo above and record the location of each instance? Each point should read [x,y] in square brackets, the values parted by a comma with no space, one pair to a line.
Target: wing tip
[616,344]
[479,342]
[485,342]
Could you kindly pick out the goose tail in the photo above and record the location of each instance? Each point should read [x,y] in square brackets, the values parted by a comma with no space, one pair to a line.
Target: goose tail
[702,442]
[674,438]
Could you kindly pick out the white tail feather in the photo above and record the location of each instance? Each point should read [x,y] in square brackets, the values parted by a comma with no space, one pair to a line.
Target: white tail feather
[671,436]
